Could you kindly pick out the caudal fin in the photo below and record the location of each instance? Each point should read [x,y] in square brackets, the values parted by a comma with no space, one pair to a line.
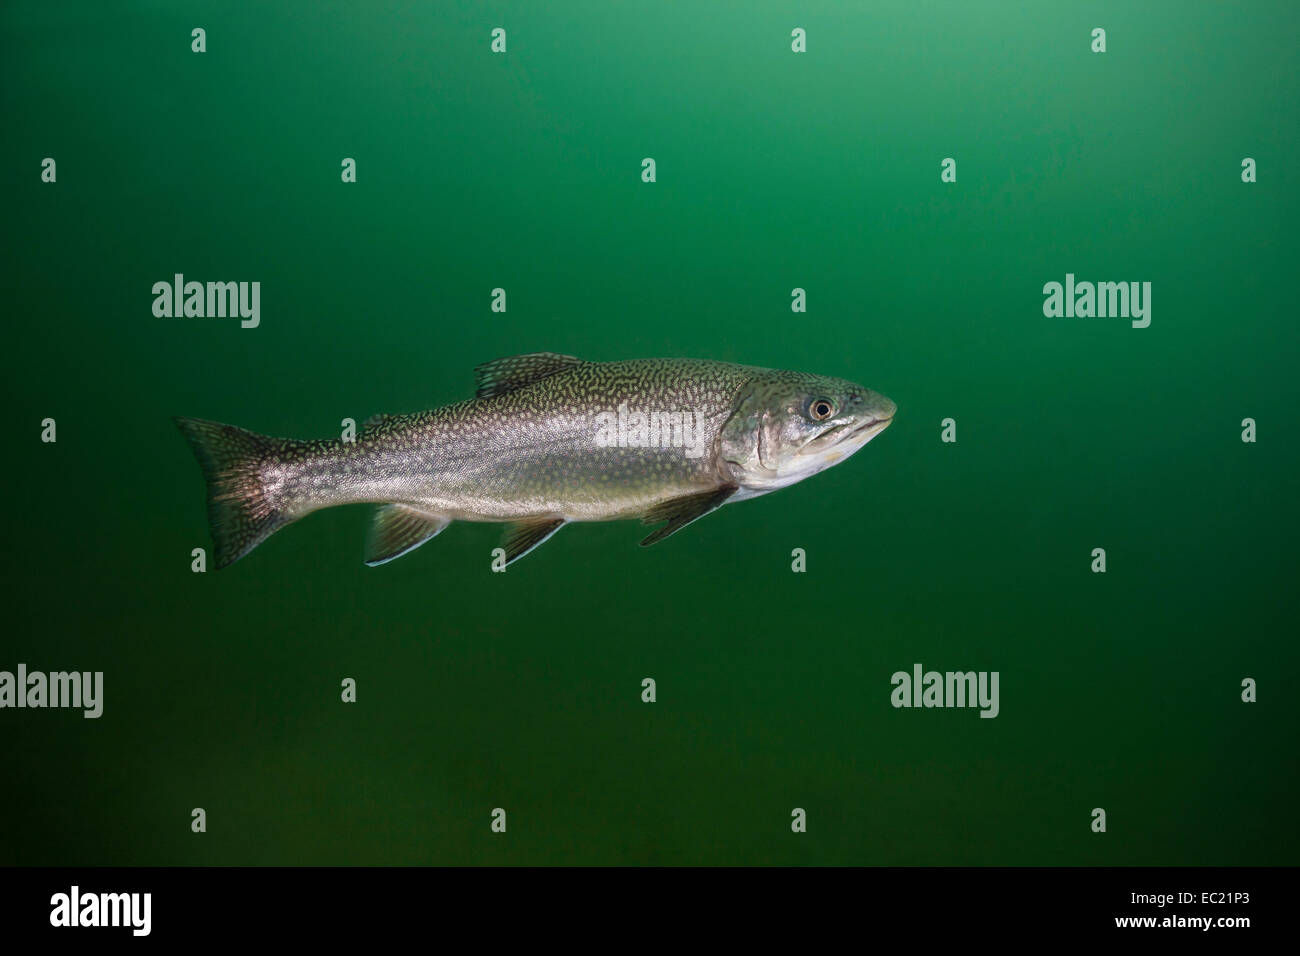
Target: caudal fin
[239,513]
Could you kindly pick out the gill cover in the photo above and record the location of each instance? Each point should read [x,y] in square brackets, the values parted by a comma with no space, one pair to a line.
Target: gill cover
[750,437]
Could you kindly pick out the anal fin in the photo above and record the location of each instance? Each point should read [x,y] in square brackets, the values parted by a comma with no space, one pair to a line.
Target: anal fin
[679,512]
[399,529]
[523,536]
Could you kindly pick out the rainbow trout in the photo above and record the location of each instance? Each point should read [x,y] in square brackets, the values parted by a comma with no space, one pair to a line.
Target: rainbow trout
[548,439]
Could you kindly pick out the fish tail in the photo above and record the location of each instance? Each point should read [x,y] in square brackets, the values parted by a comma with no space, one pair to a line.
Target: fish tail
[239,512]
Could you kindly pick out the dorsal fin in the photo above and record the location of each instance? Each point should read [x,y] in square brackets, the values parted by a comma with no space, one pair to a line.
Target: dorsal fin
[507,374]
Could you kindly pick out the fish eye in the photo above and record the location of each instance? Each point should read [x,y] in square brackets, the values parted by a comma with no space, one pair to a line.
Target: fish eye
[820,409]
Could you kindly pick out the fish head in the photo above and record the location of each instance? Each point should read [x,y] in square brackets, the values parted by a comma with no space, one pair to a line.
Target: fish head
[788,426]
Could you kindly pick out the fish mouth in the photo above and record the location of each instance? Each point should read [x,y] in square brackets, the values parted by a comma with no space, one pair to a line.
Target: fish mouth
[878,424]
[844,433]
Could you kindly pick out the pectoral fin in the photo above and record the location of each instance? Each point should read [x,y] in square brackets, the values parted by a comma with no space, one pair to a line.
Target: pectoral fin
[399,529]
[523,536]
[679,512]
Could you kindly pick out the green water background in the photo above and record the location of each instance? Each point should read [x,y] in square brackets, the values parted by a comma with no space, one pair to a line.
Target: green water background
[775,171]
